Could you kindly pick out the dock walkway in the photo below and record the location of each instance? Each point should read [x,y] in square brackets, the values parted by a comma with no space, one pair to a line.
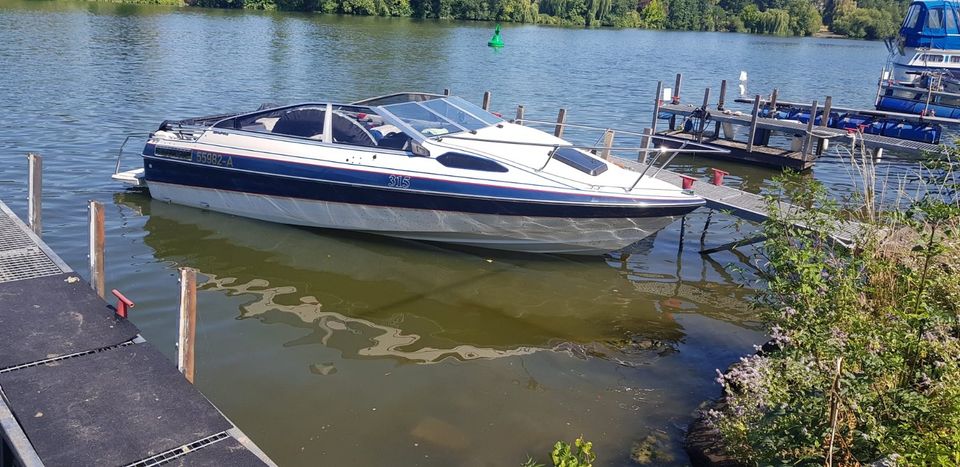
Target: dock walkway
[743,204]
[78,386]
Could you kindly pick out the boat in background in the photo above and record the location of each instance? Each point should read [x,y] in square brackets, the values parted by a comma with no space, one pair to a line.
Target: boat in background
[412,165]
[922,75]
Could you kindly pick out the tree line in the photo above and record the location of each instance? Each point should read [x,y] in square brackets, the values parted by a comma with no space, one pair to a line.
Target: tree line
[869,19]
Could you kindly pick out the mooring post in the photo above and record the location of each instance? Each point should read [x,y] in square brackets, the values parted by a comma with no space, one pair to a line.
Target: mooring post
[676,88]
[753,122]
[703,117]
[35,192]
[773,103]
[607,143]
[96,248]
[519,119]
[561,121]
[723,95]
[186,342]
[809,137]
[657,102]
[446,91]
[486,100]
[645,143]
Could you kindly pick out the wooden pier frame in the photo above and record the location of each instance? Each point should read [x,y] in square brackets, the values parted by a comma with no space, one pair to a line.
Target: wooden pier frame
[35,190]
[186,340]
[97,242]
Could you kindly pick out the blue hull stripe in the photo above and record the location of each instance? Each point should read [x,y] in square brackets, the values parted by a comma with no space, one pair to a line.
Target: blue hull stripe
[209,176]
[356,175]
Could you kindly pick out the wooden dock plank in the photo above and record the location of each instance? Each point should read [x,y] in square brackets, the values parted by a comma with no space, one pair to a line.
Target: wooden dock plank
[113,407]
[52,316]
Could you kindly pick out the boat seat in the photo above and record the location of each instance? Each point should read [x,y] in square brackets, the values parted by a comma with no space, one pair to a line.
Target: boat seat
[398,140]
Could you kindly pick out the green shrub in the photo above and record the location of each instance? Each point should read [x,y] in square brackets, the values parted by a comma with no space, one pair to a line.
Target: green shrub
[865,357]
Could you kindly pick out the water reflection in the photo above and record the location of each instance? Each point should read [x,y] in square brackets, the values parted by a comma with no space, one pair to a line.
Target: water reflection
[415,302]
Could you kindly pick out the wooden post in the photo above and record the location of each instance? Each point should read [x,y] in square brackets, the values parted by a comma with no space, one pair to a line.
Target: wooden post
[35,192]
[186,342]
[827,107]
[703,118]
[446,91]
[809,136]
[676,88]
[723,94]
[657,102]
[561,120]
[486,100]
[607,143]
[96,248]
[645,142]
[753,122]
[519,119]
[824,121]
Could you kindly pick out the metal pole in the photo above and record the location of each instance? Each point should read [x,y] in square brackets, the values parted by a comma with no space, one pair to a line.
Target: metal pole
[561,120]
[35,192]
[519,119]
[753,122]
[486,100]
[186,342]
[96,248]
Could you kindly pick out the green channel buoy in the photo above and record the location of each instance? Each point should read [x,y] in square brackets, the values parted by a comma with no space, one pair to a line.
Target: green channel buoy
[496,40]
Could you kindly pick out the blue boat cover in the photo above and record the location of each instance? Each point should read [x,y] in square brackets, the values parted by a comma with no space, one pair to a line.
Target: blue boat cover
[932,24]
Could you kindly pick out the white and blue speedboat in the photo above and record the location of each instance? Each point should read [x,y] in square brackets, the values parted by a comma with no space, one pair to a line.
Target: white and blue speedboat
[416,166]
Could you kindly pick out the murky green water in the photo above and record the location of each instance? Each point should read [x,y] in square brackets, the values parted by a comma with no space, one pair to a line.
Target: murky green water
[344,349]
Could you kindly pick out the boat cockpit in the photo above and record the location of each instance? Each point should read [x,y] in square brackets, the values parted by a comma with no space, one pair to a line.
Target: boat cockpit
[397,121]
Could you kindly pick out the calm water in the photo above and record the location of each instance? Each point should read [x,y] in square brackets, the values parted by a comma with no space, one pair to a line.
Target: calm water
[344,349]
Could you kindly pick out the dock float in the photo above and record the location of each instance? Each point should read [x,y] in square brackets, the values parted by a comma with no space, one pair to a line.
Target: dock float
[80,386]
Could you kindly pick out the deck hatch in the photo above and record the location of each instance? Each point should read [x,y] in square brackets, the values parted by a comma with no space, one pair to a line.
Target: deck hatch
[580,161]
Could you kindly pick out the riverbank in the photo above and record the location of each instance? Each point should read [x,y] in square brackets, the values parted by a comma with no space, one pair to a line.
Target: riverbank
[797,18]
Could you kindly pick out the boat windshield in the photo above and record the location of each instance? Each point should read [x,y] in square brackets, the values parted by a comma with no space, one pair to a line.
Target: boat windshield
[437,117]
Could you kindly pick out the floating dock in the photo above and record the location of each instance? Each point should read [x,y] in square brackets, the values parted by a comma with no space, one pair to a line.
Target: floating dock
[808,139]
[79,385]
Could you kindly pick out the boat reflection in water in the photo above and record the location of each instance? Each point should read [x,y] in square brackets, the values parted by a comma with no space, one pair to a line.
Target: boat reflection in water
[415,302]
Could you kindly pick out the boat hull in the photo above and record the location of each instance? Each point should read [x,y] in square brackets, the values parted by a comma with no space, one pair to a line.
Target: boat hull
[540,234]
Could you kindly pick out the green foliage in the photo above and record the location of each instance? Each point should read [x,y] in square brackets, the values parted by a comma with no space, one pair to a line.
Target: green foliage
[563,455]
[868,23]
[865,357]
[875,19]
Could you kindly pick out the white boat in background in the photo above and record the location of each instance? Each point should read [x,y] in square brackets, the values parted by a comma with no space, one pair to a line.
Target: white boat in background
[410,165]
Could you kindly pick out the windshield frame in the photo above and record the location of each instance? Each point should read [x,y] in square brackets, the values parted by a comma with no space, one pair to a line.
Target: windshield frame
[417,135]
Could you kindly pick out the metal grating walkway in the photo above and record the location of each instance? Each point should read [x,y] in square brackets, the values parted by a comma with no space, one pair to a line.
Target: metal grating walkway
[22,255]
